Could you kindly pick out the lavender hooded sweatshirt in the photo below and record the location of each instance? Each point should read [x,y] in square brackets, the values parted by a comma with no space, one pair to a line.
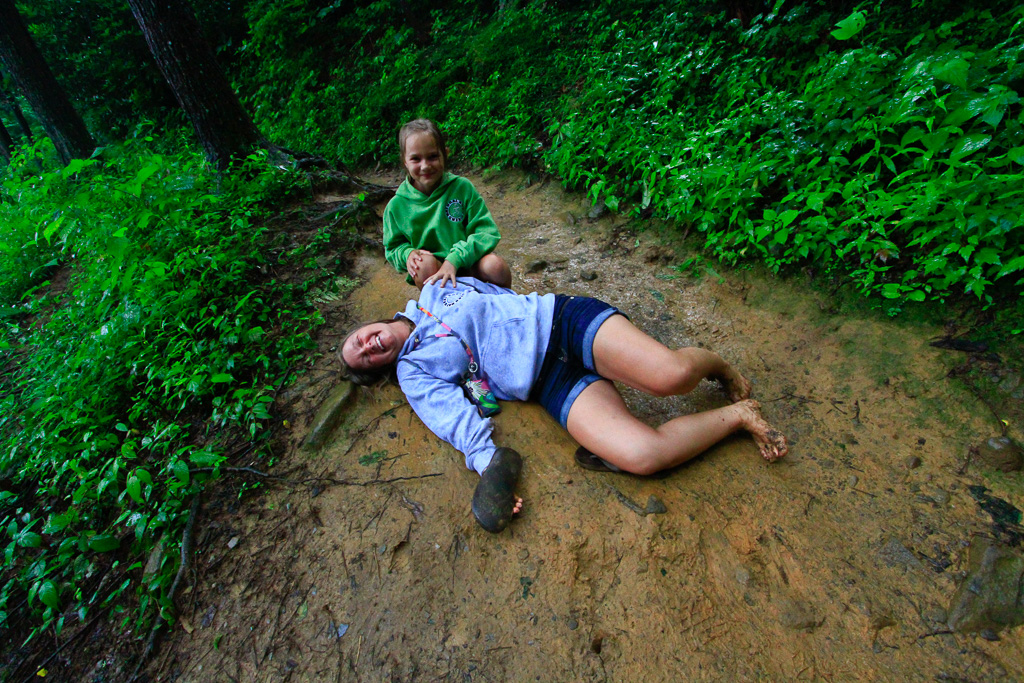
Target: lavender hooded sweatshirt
[508,334]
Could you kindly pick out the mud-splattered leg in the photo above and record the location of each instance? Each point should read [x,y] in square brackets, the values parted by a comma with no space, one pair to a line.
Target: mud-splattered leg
[600,421]
[769,440]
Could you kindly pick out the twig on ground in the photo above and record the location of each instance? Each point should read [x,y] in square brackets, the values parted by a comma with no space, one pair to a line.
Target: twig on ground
[187,541]
[972,451]
[943,632]
[369,482]
[960,373]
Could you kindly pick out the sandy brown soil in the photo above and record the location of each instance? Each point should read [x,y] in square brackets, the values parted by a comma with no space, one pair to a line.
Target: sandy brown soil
[838,563]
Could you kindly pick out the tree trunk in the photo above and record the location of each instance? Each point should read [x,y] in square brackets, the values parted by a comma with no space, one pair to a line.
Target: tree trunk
[186,60]
[23,61]
[6,143]
[15,108]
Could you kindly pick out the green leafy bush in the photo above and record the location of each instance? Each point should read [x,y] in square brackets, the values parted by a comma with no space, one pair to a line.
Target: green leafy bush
[901,167]
[123,391]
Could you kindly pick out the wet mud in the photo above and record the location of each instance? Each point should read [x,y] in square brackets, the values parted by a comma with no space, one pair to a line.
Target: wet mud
[840,562]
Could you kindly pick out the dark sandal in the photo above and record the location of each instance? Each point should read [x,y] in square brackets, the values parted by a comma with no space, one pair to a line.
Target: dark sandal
[494,498]
[589,461]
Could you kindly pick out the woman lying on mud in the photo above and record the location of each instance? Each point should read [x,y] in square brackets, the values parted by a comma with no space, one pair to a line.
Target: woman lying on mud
[457,349]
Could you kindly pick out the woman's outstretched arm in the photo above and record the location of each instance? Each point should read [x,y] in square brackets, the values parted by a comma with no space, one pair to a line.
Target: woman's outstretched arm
[446,411]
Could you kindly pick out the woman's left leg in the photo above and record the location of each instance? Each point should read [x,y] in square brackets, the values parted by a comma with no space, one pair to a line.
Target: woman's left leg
[600,421]
[622,353]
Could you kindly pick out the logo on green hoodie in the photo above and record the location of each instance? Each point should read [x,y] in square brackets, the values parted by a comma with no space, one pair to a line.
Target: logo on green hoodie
[454,211]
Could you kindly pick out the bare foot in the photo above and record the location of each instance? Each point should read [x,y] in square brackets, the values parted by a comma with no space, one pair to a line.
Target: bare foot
[735,385]
[769,440]
[518,507]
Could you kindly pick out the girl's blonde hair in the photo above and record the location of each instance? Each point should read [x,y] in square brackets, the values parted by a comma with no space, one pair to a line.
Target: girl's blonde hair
[422,126]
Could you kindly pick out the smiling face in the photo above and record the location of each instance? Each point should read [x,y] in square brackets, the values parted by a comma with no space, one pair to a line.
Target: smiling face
[375,345]
[424,161]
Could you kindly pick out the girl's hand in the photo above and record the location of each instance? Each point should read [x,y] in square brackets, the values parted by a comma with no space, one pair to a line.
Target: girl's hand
[414,261]
[444,273]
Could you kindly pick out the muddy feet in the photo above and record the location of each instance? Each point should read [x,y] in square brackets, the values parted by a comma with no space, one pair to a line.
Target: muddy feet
[736,386]
[769,440]
[494,501]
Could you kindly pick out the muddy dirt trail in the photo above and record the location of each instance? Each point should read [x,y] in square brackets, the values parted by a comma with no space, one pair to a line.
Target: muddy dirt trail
[842,562]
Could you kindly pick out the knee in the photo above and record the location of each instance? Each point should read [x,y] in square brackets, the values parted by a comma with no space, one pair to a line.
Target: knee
[639,458]
[492,268]
[673,378]
[428,267]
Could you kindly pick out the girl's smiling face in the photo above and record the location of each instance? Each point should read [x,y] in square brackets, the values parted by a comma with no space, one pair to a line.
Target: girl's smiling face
[375,345]
[424,162]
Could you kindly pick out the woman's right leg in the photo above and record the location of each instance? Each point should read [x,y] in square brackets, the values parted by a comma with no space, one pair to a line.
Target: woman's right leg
[622,353]
[600,421]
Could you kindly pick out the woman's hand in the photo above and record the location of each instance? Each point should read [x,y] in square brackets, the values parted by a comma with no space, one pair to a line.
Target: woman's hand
[444,273]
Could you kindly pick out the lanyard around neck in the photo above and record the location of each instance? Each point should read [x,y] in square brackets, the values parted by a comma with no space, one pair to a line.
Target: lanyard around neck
[473,367]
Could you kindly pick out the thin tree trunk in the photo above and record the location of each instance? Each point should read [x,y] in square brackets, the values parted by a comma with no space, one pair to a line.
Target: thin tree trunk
[186,60]
[6,143]
[23,61]
[15,108]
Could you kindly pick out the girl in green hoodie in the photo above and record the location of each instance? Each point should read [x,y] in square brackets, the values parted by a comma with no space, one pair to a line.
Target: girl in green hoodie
[437,225]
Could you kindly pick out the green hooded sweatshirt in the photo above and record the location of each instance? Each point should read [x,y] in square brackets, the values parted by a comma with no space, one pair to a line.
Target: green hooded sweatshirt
[453,224]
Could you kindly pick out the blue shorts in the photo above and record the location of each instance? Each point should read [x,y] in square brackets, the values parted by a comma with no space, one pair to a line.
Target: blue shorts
[568,366]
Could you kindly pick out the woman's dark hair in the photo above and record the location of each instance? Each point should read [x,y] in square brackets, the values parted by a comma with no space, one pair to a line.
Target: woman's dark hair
[366,378]
[422,126]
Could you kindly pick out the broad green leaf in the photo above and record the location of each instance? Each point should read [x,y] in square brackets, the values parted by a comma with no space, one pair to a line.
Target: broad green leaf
[52,227]
[850,26]
[957,117]
[141,177]
[102,543]
[58,522]
[1012,266]
[988,255]
[953,71]
[221,378]
[1016,155]
[916,295]
[969,144]
[180,470]
[77,165]
[134,489]
[912,136]
[243,301]
[116,246]
[48,594]
[29,539]
[788,217]
[891,291]
[936,141]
